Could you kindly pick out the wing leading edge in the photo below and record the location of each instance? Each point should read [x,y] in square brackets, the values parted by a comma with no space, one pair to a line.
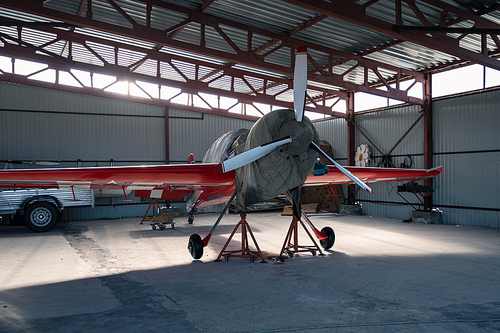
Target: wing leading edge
[372,175]
[180,177]
[185,176]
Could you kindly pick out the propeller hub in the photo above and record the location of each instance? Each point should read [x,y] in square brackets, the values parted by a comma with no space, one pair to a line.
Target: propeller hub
[301,133]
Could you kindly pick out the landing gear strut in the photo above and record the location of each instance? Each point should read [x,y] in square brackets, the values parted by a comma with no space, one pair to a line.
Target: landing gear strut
[196,244]
[290,246]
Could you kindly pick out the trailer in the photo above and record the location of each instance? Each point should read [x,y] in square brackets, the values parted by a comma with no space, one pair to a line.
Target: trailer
[40,209]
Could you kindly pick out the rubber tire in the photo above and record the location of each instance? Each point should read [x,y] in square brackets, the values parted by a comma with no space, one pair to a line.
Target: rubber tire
[41,216]
[190,219]
[327,243]
[195,246]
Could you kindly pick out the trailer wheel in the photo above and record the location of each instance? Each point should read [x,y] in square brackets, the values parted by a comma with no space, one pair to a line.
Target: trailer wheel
[41,216]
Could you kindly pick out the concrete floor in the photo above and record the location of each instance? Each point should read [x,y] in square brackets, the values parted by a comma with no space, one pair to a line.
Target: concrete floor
[382,275]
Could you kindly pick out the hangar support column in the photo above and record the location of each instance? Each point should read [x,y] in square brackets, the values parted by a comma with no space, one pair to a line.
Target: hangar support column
[351,143]
[428,138]
[167,144]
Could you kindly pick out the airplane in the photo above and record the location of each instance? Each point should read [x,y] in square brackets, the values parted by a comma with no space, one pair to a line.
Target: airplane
[276,156]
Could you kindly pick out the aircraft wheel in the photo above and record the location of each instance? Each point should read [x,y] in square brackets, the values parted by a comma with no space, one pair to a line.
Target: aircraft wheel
[327,243]
[190,219]
[195,246]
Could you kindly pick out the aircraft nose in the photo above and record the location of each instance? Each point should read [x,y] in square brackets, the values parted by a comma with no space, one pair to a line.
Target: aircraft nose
[301,133]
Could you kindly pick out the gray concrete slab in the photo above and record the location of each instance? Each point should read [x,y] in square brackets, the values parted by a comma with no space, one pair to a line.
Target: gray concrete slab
[382,275]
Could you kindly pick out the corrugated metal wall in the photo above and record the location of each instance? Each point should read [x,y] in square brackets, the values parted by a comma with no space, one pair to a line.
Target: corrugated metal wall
[335,132]
[44,124]
[195,132]
[466,144]
[49,125]
[385,128]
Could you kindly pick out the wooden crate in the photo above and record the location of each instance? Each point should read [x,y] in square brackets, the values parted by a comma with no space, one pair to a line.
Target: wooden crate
[163,218]
[311,208]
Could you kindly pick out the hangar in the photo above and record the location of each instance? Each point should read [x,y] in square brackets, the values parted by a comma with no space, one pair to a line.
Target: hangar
[87,83]
[149,82]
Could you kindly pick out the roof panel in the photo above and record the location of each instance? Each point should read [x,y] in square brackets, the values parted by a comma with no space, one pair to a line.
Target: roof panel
[275,16]
[343,36]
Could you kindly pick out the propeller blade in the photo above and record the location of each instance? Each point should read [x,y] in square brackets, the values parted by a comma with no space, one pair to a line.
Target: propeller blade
[250,155]
[300,83]
[342,169]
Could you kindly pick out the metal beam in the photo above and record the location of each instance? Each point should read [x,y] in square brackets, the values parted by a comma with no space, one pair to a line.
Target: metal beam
[124,72]
[35,24]
[292,32]
[480,31]
[351,144]
[428,140]
[443,24]
[354,13]
[241,56]
[34,47]
[190,86]
[167,141]
[101,93]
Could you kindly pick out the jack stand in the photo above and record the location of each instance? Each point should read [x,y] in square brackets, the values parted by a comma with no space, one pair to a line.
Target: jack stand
[245,251]
[153,203]
[291,248]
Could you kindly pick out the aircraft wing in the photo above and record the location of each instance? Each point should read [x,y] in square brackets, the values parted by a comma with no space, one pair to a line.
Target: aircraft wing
[372,175]
[186,177]
[180,178]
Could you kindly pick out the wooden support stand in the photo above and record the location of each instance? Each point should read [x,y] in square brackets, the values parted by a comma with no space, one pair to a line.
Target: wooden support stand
[154,204]
[293,233]
[245,250]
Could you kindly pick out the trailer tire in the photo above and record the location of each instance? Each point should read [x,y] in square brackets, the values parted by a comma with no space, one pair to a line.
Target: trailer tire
[40,216]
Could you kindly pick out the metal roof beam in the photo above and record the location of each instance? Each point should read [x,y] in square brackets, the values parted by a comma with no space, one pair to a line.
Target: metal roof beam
[272,43]
[189,86]
[480,21]
[449,23]
[241,56]
[101,93]
[480,31]
[292,32]
[353,13]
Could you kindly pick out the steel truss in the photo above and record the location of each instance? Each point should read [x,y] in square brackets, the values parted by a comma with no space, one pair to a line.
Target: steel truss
[249,75]
[434,37]
[245,86]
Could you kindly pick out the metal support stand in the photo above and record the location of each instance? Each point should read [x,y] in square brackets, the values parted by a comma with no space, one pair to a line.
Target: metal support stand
[245,251]
[154,204]
[290,247]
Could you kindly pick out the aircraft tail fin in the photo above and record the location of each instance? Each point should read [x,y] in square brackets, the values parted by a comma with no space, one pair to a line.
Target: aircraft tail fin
[190,159]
